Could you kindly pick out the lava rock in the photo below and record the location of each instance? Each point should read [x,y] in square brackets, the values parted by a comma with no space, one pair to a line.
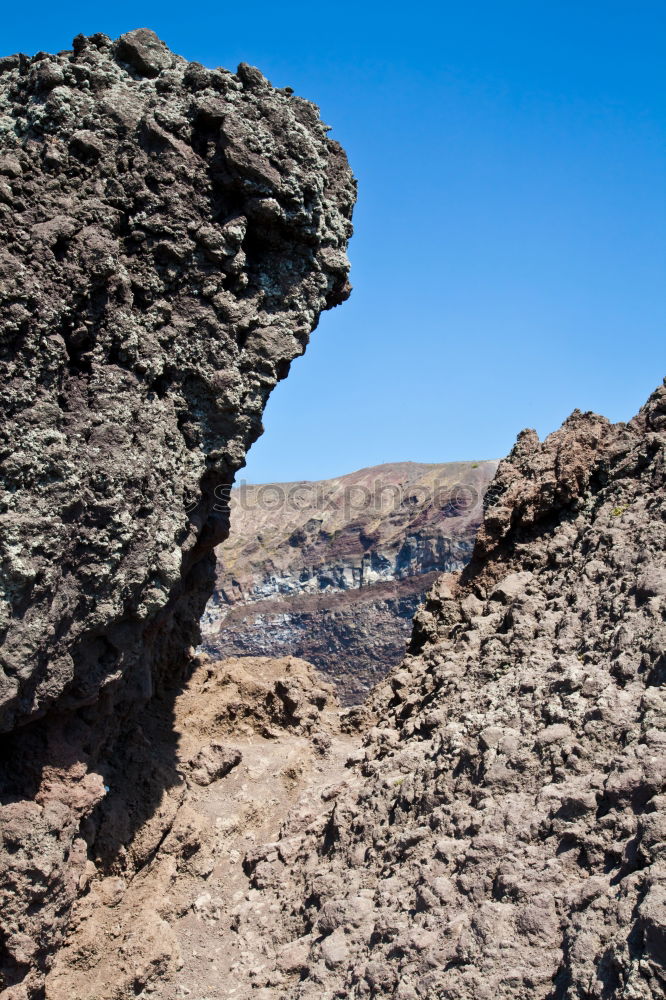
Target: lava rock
[144,52]
[134,369]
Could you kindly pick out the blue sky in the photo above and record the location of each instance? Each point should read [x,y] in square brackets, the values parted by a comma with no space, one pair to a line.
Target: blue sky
[510,247]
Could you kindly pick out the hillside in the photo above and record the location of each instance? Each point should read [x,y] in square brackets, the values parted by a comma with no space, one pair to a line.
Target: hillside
[333,571]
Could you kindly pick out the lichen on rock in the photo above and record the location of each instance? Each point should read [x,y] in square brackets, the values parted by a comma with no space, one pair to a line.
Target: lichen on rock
[169,235]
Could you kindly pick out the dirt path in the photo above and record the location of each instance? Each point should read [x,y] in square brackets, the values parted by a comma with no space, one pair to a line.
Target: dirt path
[258,741]
[245,810]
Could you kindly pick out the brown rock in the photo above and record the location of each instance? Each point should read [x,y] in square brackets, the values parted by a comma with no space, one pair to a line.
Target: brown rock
[334,571]
[505,815]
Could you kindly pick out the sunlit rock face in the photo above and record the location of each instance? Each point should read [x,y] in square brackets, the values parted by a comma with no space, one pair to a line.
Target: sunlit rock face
[500,830]
[169,235]
[334,571]
[490,824]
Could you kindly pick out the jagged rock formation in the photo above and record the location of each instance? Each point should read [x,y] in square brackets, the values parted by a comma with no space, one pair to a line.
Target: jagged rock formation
[169,237]
[498,829]
[502,830]
[334,571]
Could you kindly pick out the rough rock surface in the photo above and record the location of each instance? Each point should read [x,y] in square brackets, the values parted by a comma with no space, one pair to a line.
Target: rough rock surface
[169,235]
[498,830]
[334,571]
[502,829]
[502,833]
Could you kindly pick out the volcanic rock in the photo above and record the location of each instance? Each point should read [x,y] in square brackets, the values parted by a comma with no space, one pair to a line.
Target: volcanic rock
[165,932]
[498,828]
[504,820]
[169,235]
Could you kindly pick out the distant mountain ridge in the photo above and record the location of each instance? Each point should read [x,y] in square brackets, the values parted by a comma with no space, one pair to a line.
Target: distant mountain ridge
[334,570]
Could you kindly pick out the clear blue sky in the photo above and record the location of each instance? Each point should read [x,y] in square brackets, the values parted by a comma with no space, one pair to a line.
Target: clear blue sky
[510,248]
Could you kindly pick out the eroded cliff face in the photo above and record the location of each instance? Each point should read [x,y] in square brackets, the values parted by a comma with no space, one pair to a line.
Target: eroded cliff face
[334,571]
[170,235]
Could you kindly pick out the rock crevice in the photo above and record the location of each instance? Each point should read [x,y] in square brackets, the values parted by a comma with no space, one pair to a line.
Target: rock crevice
[491,825]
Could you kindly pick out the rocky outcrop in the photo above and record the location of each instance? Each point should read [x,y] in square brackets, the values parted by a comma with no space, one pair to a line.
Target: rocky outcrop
[169,237]
[497,829]
[501,830]
[354,637]
[334,571]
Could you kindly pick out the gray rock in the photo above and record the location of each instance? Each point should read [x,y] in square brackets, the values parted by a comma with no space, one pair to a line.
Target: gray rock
[144,52]
[507,814]
[134,372]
